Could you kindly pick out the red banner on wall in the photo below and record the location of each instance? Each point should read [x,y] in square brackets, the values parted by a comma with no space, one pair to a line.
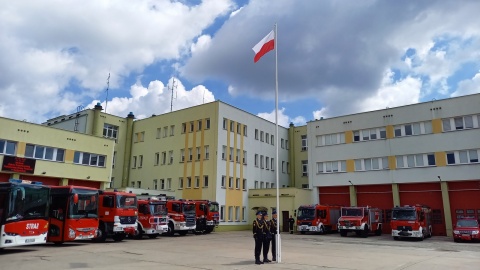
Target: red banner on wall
[17,164]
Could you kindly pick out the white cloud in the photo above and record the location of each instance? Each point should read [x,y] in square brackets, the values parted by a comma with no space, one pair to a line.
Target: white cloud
[283,119]
[202,43]
[318,114]
[467,87]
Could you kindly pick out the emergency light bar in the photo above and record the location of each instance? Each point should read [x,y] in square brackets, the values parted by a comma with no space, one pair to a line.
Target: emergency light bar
[21,181]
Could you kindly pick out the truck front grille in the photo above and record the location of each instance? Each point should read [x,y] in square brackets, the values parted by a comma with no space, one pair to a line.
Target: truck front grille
[128,220]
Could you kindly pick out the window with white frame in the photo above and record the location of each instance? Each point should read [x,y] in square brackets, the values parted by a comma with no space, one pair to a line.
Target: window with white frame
[261,136]
[207,153]
[237,213]
[155,184]
[267,163]
[230,153]
[157,159]
[261,162]
[255,185]
[244,210]
[180,183]
[170,157]
[90,159]
[205,181]
[237,156]
[139,184]
[256,160]
[282,143]
[192,126]
[267,138]
[262,184]
[232,125]
[110,131]
[224,150]
[162,184]
[182,155]
[222,212]
[413,129]
[244,130]
[461,122]
[224,123]
[190,154]
[172,130]
[159,133]
[199,154]
[330,139]
[230,182]
[304,167]
[304,143]
[134,161]
[415,160]
[197,182]
[184,127]
[463,156]
[244,158]
[230,213]
[140,161]
[45,153]
[283,166]
[237,183]
[272,139]
[207,123]
[169,183]
[371,164]
[244,184]
[189,182]
[369,134]
[164,158]
[256,134]
[223,181]
[239,128]
[165,132]
[331,166]
[272,164]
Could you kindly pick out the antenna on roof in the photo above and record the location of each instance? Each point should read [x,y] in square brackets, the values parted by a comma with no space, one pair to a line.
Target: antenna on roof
[108,86]
[172,88]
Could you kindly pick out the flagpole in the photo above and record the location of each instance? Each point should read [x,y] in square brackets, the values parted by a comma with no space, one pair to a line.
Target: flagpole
[277,246]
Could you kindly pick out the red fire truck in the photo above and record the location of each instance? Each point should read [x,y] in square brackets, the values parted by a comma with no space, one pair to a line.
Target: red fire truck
[317,218]
[411,221]
[152,217]
[181,216]
[23,213]
[118,215]
[207,216]
[361,220]
[73,213]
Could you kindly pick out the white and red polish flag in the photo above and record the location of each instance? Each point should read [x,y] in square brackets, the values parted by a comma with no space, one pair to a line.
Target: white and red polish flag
[264,46]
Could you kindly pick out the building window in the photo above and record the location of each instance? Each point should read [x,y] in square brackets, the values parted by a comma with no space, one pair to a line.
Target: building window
[184,127]
[162,184]
[190,154]
[256,134]
[199,125]
[89,159]
[134,161]
[232,125]
[169,183]
[230,213]
[199,154]
[180,183]
[237,156]
[331,139]
[255,185]
[237,213]
[164,158]
[140,136]
[44,152]
[304,143]
[172,130]
[304,167]
[207,123]
[256,160]
[243,213]
[192,126]
[239,128]
[331,166]
[159,133]
[230,182]
[182,155]
[283,166]
[261,184]
[272,164]
[189,182]
[417,160]
[223,181]
[230,153]
[157,159]
[207,153]
[244,130]
[272,139]
[282,143]
[222,213]
[261,136]
[267,138]
[244,184]
[244,158]
[197,182]
[140,161]
[205,181]
[463,157]
[165,132]
[267,163]
[224,149]
[110,131]
[139,184]
[170,157]
[224,123]
[237,183]
[261,162]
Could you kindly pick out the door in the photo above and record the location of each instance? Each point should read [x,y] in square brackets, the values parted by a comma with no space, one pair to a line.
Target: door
[379,196]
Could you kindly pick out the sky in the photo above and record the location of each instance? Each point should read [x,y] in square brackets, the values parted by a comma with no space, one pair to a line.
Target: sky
[334,57]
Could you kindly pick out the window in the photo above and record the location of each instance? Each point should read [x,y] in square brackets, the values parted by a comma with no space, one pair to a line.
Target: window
[139,184]
[91,159]
[165,131]
[224,150]
[416,160]
[169,183]
[283,166]
[134,160]
[237,156]
[463,157]
[140,136]
[369,164]
[244,130]
[157,159]
[331,139]
[272,164]
[255,184]
[189,182]
[199,154]
[461,122]
[197,182]
[43,152]
[162,184]
[159,133]
[237,183]
[230,182]
[180,183]
[261,184]
[222,213]
[243,213]
[110,131]
[261,162]
[207,123]
[244,158]
[267,138]
[172,130]
[170,157]
[184,127]
[267,163]
[140,161]
[199,125]
[207,153]
[237,213]
[182,155]
[256,160]
[304,143]
[256,134]
[132,184]
[230,153]
[230,213]
[232,125]
[223,181]
[192,126]
[304,167]
[261,136]
[244,184]
[331,166]
[164,158]
[239,128]
[205,181]
[272,140]
[282,143]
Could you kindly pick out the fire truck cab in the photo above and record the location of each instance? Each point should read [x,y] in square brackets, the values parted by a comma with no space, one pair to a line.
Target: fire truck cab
[181,216]
[361,220]
[118,215]
[317,218]
[411,221]
[152,217]
[207,216]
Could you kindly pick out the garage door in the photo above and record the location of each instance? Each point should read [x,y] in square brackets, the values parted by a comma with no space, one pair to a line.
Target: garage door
[379,196]
[427,194]
[338,195]
[464,199]
[4,177]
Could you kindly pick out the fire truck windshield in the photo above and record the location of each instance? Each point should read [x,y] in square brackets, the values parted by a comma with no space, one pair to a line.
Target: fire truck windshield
[188,208]
[126,202]
[467,223]
[86,207]
[306,213]
[352,212]
[213,207]
[404,214]
[27,202]
[158,209]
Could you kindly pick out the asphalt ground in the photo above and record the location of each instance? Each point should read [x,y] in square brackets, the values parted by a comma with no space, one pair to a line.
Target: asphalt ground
[234,250]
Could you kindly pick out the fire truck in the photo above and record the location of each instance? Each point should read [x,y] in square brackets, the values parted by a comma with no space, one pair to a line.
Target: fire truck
[361,220]
[23,213]
[207,216]
[317,218]
[181,216]
[411,221]
[118,215]
[73,214]
[152,217]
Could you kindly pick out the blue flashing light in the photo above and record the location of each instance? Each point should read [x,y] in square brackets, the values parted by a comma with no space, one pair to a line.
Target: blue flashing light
[21,181]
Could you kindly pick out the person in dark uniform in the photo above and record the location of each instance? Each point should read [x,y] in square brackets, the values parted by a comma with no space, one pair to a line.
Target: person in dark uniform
[273,230]
[291,223]
[258,235]
[267,237]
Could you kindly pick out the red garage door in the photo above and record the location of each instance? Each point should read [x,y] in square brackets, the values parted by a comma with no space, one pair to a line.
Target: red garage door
[45,180]
[84,183]
[379,196]
[4,177]
[464,199]
[427,194]
[339,195]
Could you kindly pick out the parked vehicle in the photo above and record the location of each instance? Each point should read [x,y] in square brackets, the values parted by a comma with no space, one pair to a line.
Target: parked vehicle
[466,229]
[73,214]
[207,216]
[23,213]
[181,216]
[118,215]
[152,217]
[361,220]
[411,222]
[318,218]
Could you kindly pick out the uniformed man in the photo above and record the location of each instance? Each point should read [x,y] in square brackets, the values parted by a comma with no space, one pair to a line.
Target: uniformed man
[258,235]
[267,237]
[291,222]
[273,229]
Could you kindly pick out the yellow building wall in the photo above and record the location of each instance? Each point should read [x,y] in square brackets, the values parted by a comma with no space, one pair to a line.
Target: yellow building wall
[436,126]
[348,136]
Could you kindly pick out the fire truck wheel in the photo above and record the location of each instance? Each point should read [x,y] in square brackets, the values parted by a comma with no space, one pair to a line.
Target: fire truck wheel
[321,230]
[102,234]
[182,233]
[365,232]
[378,232]
[118,237]
[208,230]
[396,238]
[171,231]
[343,233]
[153,236]
[139,234]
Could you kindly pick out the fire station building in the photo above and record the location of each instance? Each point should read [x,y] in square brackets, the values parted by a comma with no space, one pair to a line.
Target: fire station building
[424,153]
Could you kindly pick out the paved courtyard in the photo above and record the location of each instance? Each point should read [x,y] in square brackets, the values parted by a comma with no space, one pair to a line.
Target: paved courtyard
[234,250]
